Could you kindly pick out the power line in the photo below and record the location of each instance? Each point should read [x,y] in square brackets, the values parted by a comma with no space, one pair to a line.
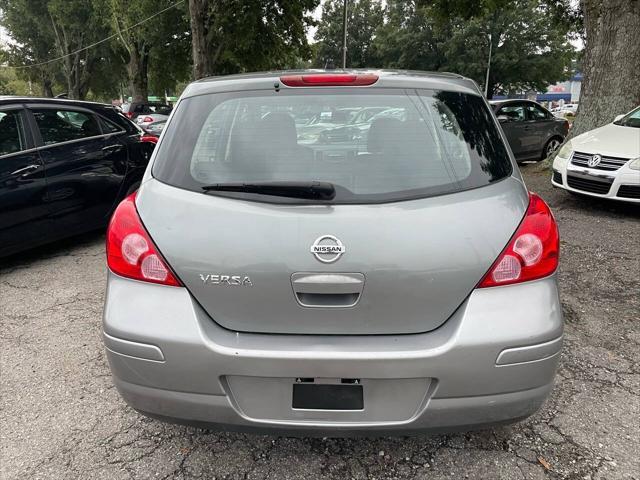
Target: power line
[46,62]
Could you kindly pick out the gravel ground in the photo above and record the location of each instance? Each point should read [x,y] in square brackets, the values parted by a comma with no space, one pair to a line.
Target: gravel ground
[60,416]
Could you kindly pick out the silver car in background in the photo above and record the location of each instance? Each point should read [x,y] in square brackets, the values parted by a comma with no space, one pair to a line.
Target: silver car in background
[402,284]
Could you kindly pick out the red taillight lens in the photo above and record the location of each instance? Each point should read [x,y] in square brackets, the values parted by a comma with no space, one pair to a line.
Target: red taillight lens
[330,80]
[147,120]
[532,252]
[131,252]
[129,114]
[149,139]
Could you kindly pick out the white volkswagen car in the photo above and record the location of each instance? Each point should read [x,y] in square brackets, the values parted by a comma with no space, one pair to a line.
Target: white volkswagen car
[604,162]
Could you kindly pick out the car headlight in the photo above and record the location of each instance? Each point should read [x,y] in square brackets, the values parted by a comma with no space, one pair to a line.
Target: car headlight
[635,164]
[565,151]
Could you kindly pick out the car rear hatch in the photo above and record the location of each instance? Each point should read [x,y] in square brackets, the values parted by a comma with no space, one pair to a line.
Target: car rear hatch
[396,250]
[409,264]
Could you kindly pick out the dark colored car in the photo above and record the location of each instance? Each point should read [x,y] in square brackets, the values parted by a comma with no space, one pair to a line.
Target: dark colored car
[532,130]
[64,166]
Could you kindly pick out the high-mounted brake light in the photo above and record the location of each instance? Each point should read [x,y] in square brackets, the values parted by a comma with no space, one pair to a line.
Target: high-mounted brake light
[330,80]
[533,251]
[131,252]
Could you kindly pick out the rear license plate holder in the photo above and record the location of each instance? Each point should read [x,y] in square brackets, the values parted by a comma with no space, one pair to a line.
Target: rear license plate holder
[313,396]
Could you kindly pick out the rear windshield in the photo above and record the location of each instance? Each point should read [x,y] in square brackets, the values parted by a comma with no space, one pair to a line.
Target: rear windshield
[373,145]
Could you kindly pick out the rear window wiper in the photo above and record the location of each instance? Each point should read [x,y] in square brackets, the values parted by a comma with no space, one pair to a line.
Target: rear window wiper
[307,190]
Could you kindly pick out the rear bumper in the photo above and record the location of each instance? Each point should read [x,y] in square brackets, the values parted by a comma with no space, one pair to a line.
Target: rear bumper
[492,362]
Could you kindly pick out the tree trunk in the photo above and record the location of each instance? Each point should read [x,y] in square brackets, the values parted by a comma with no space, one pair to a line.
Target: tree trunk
[137,68]
[202,59]
[47,90]
[611,83]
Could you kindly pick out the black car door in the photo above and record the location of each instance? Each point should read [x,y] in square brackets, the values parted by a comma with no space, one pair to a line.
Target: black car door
[24,215]
[85,168]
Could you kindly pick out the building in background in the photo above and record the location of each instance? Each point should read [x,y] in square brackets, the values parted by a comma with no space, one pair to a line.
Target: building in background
[556,95]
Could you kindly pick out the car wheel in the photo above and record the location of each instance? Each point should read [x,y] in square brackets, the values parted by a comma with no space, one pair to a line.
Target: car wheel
[551,146]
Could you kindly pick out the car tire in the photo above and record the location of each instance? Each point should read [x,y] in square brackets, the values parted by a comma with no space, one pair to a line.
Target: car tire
[551,146]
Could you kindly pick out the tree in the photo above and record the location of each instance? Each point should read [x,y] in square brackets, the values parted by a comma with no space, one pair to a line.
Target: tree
[237,35]
[140,40]
[412,37]
[170,60]
[528,51]
[77,26]
[611,31]
[611,84]
[29,25]
[364,19]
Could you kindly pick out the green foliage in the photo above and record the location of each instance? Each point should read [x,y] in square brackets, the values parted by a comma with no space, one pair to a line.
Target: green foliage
[11,84]
[29,24]
[170,58]
[412,37]
[159,46]
[249,35]
[365,19]
[529,51]
[78,24]
[530,48]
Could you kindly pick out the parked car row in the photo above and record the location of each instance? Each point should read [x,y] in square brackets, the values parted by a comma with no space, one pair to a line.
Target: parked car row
[532,131]
[64,166]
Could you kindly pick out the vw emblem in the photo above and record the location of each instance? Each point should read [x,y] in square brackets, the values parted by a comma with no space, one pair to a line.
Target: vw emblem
[327,248]
[594,161]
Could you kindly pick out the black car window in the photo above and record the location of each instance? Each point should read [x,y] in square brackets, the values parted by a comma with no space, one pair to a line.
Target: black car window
[108,127]
[536,113]
[11,132]
[513,113]
[57,125]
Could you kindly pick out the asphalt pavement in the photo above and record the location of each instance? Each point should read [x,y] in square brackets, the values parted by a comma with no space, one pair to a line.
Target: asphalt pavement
[61,417]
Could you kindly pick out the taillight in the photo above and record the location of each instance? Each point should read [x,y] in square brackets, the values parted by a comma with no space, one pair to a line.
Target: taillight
[131,252]
[147,120]
[532,252]
[330,80]
[149,138]
[129,114]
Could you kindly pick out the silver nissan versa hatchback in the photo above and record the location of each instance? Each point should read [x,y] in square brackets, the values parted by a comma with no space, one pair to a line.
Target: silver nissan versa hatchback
[333,253]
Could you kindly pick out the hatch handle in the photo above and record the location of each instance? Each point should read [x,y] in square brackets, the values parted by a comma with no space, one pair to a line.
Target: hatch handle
[327,289]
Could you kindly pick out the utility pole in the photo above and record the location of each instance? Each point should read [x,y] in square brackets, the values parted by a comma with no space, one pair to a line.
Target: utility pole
[486,82]
[344,34]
